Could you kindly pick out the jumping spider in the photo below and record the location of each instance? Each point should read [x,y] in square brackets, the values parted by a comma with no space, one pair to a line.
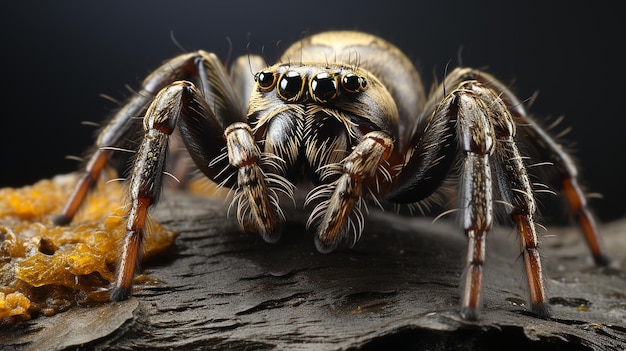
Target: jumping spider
[347,113]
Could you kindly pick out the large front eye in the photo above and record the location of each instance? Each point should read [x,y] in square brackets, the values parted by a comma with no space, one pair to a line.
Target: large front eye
[265,79]
[353,83]
[290,86]
[323,87]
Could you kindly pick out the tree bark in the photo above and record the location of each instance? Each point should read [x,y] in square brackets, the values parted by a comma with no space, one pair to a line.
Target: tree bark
[398,288]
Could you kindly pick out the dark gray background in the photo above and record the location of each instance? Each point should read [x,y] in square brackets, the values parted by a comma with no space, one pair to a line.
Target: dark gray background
[59,56]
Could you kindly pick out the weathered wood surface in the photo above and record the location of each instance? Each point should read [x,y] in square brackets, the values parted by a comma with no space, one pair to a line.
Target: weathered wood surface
[398,288]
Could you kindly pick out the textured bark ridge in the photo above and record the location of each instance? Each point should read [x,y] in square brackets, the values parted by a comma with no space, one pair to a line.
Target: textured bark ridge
[398,288]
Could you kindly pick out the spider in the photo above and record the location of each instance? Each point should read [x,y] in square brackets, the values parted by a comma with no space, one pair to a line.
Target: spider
[344,115]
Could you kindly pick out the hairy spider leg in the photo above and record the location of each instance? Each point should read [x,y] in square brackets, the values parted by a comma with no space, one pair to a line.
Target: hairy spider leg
[475,121]
[578,204]
[477,143]
[565,178]
[561,172]
[200,115]
[486,132]
[109,138]
[214,82]
[179,105]
[516,191]
[519,194]
[145,184]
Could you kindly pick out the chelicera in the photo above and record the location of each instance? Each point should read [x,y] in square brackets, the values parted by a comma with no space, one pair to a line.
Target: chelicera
[345,118]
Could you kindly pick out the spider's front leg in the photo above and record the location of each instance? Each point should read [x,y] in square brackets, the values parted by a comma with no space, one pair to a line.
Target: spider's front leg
[486,129]
[474,123]
[561,173]
[179,105]
[228,156]
[559,170]
[200,117]
[202,67]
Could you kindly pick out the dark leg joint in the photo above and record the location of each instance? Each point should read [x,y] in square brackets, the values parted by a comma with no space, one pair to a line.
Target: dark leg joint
[470,313]
[602,260]
[61,219]
[542,310]
[119,294]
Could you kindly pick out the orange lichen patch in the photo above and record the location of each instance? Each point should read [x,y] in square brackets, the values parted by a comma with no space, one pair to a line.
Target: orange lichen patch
[13,304]
[46,268]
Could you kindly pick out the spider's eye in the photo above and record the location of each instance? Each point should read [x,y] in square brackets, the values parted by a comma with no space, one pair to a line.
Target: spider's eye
[323,87]
[290,86]
[353,83]
[265,79]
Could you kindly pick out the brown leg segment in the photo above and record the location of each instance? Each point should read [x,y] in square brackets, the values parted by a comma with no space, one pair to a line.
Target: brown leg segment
[522,200]
[129,260]
[473,280]
[530,251]
[477,143]
[578,204]
[565,178]
[476,204]
[145,187]
[92,172]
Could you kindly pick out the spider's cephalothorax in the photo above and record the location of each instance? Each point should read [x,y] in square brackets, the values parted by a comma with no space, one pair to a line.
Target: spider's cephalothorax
[345,112]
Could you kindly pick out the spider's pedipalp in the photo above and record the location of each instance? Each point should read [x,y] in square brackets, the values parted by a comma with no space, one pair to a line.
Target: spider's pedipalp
[261,213]
[340,211]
